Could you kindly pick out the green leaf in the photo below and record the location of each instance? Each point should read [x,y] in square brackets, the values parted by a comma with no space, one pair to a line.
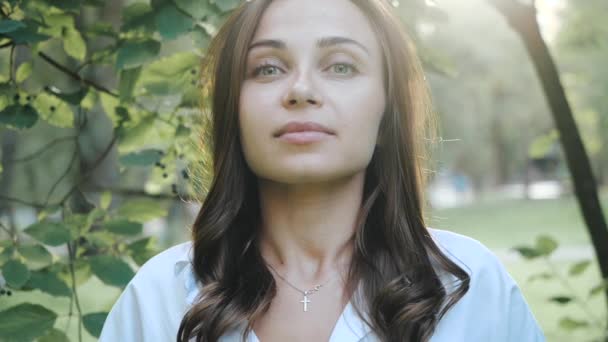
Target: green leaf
[105,200]
[543,144]
[136,53]
[527,252]
[141,158]
[109,105]
[54,335]
[23,72]
[182,131]
[101,29]
[27,35]
[128,79]
[142,210]
[49,233]
[7,253]
[123,227]
[579,267]
[93,322]
[196,8]
[94,215]
[543,275]
[138,17]
[82,272]
[561,299]
[142,250]
[137,136]
[68,5]
[200,37]
[15,273]
[170,75]
[111,270]
[50,283]
[25,322]
[546,245]
[57,23]
[226,5]
[10,25]
[101,239]
[19,117]
[74,45]
[36,256]
[54,111]
[172,23]
[74,98]
[76,224]
[570,324]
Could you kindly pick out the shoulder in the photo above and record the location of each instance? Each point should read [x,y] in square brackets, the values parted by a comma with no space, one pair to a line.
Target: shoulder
[480,263]
[153,303]
[166,264]
[494,299]
[163,277]
[461,248]
[487,273]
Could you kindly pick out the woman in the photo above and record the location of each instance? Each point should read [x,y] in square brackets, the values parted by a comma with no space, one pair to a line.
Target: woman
[313,226]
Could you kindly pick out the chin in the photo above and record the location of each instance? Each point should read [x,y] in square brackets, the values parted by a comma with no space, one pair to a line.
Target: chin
[305,176]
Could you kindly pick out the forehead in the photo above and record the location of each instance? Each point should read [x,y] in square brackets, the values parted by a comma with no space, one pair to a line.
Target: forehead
[305,21]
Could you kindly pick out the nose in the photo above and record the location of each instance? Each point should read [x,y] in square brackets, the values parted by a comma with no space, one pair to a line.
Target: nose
[301,93]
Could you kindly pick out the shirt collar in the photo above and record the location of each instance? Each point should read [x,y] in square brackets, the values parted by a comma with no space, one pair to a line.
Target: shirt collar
[183,269]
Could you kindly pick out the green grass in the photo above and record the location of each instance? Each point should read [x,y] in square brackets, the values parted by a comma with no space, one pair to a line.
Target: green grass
[506,223]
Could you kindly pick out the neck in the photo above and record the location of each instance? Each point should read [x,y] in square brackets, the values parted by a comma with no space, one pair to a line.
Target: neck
[307,229]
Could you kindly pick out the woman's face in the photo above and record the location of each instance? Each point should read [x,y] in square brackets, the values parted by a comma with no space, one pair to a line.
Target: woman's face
[313,61]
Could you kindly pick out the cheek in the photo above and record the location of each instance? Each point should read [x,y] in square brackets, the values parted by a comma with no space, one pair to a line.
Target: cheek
[255,129]
[363,116]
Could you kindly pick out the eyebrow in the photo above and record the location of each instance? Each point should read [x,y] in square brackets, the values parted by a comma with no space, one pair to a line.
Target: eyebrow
[324,42]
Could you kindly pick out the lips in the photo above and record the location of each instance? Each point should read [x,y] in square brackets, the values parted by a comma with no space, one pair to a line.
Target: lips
[308,126]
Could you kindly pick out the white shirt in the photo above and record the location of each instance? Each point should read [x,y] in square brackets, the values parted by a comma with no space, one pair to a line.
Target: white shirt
[493,310]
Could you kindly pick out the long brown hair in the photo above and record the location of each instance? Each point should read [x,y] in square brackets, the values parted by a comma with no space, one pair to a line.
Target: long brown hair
[394,256]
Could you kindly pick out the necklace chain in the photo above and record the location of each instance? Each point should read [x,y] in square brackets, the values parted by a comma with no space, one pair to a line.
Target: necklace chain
[304,292]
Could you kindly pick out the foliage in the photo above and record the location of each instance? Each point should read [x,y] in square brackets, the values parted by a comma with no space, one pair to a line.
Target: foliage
[544,247]
[130,72]
[582,50]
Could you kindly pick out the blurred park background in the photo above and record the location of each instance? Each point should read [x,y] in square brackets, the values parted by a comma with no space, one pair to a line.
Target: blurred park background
[99,106]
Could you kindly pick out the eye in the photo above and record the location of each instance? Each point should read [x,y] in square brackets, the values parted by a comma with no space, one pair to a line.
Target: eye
[343,68]
[263,67]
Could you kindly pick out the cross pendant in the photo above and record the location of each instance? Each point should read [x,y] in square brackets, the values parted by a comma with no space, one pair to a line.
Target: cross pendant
[305,301]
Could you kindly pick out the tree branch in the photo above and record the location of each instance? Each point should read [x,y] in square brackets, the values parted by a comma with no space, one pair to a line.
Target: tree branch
[87,174]
[65,173]
[24,202]
[8,231]
[83,178]
[11,57]
[71,255]
[74,75]
[40,151]
[90,83]
[140,193]
[520,16]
